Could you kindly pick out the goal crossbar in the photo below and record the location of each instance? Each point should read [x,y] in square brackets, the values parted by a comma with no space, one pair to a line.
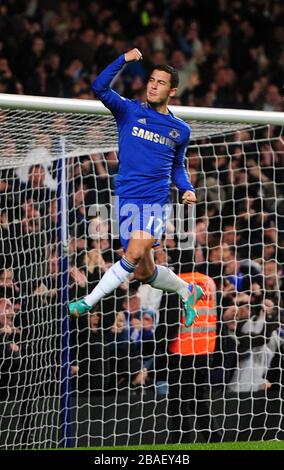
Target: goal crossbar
[68,105]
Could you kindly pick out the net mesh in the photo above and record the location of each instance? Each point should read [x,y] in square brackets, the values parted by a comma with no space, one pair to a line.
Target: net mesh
[84,133]
[128,385]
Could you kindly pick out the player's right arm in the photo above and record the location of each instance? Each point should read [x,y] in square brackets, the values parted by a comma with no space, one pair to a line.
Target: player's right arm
[102,85]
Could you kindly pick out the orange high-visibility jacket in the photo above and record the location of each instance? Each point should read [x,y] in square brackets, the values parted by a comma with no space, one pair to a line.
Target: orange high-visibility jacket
[199,338]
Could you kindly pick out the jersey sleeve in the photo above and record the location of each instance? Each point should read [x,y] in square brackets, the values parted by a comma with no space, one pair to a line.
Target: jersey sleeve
[180,175]
[103,90]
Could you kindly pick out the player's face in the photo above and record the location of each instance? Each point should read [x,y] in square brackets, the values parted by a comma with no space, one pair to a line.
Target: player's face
[159,87]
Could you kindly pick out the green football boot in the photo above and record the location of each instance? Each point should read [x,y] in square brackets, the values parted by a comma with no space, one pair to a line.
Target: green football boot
[190,312]
[78,308]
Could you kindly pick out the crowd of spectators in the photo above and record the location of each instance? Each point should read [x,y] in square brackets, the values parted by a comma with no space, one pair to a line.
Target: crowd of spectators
[228,53]
[225,60]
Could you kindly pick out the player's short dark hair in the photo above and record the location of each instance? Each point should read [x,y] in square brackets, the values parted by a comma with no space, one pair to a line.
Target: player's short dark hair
[170,70]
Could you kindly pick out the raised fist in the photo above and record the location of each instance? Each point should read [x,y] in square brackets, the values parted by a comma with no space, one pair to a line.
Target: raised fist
[133,55]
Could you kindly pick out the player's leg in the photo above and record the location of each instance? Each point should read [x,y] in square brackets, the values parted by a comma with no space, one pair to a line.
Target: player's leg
[139,243]
[166,280]
[161,277]
[146,268]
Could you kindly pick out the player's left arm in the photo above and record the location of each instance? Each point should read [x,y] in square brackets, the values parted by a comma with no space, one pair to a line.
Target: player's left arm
[180,174]
[102,85]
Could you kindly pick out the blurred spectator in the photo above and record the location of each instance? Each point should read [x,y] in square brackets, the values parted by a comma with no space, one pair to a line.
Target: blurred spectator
[90,357]
[125,359]
[8,286]
[36,192]
[40,153]
[258,340]
[140,323]
[10,353]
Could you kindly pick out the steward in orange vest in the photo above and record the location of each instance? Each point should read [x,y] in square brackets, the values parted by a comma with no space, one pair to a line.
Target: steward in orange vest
[199,338]
[189,404]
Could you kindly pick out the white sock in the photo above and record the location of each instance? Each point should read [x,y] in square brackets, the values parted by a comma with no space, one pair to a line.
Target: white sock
[112,278]
[168,281]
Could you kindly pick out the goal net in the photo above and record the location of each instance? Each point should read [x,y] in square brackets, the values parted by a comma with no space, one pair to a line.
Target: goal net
[130,372]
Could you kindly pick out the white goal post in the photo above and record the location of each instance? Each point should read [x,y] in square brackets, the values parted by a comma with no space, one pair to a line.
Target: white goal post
[65,383]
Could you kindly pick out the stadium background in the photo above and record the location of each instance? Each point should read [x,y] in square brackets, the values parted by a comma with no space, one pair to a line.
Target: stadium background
[232,56]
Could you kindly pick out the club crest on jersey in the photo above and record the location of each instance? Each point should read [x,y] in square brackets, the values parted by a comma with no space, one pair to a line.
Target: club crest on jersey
[174,133]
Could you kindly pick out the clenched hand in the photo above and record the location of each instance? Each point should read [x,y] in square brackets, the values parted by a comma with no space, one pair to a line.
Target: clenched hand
[189,197]
[133,55]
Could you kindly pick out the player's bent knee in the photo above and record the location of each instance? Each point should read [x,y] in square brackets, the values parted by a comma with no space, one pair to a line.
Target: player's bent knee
[140,276]
[134,255]
[143,276]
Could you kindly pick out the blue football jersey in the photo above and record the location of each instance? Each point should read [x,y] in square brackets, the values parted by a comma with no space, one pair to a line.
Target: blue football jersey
[152,145]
